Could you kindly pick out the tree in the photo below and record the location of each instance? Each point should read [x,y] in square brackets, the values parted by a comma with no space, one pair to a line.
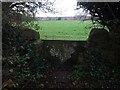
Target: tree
[108,12]
[19,11]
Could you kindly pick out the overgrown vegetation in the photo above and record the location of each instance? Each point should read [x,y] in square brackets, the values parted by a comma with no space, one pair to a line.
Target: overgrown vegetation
[26,62]
[28,24]
[23,61]
[79,73]
[104,63]
[97,71]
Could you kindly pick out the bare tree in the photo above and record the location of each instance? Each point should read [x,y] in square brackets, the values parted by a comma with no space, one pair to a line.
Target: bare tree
[19,11]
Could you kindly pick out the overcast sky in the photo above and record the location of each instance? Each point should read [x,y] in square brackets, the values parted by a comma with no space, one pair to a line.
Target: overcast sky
[64,7]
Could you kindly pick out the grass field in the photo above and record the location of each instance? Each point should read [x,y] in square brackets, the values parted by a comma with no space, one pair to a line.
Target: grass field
[64,30]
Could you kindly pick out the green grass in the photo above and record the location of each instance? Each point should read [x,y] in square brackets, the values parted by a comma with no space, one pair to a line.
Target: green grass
[64,30]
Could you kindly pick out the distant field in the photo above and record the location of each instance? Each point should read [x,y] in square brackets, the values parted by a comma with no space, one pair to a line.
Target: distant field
[64,30]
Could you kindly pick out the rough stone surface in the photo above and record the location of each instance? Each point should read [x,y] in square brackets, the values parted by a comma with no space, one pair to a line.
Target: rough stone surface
[29,34]
[98,38]
[61,49]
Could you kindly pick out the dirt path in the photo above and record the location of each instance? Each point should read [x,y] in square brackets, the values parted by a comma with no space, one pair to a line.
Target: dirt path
[65,51]
[60,77]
